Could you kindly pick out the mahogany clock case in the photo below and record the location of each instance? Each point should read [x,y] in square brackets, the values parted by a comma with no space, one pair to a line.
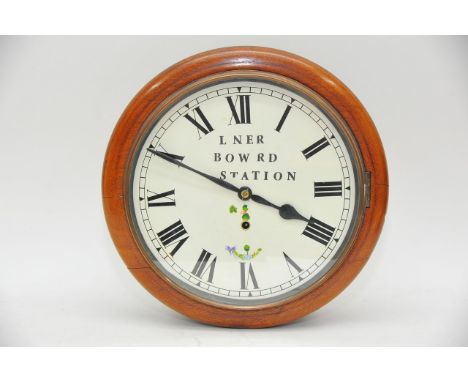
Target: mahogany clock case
[361,186]
[159,93]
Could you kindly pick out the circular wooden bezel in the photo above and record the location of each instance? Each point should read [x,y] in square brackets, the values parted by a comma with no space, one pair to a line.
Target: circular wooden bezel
[129,128]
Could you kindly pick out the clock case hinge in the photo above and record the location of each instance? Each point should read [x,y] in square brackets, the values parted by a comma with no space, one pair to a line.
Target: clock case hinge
[367,188]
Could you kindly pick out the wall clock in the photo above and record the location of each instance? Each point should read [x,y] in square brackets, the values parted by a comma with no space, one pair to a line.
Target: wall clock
[245,187]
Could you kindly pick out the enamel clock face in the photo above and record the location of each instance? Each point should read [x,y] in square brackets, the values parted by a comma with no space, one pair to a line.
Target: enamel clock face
[245,191]
[262,139]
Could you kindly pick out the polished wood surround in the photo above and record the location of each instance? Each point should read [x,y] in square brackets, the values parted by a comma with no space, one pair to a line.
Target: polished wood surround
[153,95]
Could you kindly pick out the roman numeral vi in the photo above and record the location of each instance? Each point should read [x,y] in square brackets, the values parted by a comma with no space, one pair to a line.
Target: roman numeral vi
[247,276]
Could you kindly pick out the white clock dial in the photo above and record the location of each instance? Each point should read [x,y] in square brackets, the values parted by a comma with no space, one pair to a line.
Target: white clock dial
[272,141]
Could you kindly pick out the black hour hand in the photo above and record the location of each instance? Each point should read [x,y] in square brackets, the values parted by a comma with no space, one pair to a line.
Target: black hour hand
[286,211]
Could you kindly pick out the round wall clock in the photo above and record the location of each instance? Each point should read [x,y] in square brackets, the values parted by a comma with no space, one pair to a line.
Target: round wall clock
[245,187]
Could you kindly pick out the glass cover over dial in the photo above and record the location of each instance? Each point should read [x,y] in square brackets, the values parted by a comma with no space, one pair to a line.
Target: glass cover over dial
[246,189]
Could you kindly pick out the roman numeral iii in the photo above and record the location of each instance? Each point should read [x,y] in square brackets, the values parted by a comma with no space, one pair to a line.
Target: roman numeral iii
[247,276]
[201,268]
[315,148]
[161,200]
[322,189]
[240,109]
[175,234]
[319,231]
[198,119]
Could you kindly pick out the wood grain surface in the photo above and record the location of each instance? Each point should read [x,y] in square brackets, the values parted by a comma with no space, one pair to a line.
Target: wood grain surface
[129,128]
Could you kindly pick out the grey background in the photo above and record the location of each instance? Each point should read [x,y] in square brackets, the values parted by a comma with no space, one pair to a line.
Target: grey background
[63,283]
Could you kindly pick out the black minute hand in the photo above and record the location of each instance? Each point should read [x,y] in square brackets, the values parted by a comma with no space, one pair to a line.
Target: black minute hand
[218,181]
[286,211]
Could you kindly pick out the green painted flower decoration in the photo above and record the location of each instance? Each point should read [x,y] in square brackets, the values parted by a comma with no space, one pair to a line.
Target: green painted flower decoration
[245,216]
[243,256]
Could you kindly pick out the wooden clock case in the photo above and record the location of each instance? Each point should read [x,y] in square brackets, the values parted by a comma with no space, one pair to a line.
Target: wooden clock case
[195,68]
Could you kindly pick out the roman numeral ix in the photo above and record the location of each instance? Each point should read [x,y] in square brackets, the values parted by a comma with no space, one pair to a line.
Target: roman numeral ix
[319,231]
[173,235]
[322,189]
[315,148]
[202,126]
[201,268]
[243,103]
[161,200]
